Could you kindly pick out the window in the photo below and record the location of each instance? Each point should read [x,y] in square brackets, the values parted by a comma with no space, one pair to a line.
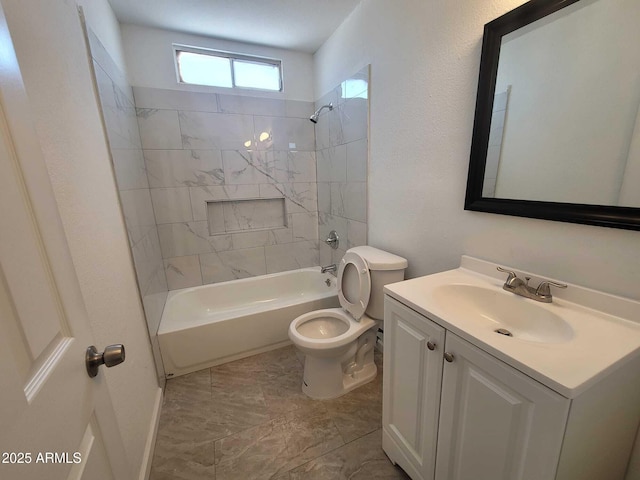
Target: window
[222,69]
[355,88]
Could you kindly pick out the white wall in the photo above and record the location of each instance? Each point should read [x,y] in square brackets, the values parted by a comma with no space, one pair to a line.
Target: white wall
[64,106]
[424,72]
[150,62]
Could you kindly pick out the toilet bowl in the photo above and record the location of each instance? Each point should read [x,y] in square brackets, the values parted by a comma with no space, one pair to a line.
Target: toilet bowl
[327,333]
[338,342]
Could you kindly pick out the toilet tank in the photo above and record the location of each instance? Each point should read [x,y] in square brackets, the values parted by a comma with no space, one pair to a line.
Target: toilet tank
[384,268]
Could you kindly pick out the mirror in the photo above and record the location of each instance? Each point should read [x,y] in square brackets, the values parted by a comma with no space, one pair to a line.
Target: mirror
[557,122]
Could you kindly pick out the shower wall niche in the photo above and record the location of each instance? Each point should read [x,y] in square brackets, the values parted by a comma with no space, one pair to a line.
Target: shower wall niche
[235,216]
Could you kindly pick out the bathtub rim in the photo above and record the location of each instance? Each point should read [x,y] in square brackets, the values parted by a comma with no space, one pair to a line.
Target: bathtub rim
[193,323]
[173,293]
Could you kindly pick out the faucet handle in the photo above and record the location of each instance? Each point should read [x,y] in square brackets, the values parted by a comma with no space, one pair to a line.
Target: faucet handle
[512,275]
[544,290]
[333,240]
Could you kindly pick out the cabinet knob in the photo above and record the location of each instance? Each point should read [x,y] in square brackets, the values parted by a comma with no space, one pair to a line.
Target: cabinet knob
[448,357]
[431,345]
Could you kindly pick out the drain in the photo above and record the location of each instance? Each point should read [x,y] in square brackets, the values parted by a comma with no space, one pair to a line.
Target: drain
[504,331]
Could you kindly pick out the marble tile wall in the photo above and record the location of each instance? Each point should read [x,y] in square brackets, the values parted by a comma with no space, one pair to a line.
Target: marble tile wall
[342,165]
[119,114]
[201,148]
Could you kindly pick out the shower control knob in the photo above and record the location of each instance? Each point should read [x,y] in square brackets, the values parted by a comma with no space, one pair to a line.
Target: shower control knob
[431,345]
[333,240]
[113,355]
[449,357]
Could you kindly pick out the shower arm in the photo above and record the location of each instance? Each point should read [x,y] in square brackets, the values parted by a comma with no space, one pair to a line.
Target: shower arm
[316,115]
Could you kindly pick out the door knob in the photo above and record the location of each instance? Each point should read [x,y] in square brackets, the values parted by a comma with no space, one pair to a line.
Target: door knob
[431,345]
[113,355]
[449,357]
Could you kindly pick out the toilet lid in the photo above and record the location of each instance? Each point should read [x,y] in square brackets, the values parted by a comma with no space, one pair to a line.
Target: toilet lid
[354,284]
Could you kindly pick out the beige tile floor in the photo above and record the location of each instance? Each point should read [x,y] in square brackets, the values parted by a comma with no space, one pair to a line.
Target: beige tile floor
[249,420]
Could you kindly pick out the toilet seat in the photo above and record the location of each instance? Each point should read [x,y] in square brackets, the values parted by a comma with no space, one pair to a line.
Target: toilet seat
[356,270]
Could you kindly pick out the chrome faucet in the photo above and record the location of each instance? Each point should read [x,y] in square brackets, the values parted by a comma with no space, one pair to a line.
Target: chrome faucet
[329,268]
[542,293]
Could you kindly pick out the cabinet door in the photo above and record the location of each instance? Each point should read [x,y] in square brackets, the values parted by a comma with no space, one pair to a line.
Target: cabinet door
[411,389]
[495,422]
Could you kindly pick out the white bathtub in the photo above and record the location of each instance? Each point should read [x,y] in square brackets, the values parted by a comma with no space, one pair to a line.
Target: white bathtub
[213,324]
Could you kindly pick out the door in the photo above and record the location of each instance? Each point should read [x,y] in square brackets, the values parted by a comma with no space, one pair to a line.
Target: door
[55,422]
[413,348]
[495,422]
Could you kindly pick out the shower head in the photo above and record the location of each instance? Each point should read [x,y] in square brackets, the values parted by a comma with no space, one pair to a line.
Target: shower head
[316,115]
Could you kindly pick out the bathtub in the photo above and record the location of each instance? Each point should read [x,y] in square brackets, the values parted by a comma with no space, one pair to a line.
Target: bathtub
[205,326]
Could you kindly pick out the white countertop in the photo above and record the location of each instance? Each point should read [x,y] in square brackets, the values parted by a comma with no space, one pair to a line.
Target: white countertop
[606,327]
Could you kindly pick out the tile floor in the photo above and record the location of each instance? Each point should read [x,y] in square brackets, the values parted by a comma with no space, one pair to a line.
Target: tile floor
[249,420]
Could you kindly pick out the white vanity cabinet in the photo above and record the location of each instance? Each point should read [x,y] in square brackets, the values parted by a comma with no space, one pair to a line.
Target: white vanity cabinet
[558,399]
[485,420]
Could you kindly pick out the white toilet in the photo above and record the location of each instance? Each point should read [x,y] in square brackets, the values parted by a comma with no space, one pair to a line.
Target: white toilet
[338,342]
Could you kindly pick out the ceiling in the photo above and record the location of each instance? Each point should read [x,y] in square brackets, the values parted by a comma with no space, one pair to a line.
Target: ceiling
[301,25]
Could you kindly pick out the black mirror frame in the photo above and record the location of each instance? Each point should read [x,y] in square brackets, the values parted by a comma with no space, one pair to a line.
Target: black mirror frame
[601,215]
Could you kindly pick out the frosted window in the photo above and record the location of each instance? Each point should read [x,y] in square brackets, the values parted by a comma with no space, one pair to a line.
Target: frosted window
[222,69]
[204,69]
[257,75]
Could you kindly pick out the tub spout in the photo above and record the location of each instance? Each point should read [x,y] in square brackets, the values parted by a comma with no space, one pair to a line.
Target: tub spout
[329,268]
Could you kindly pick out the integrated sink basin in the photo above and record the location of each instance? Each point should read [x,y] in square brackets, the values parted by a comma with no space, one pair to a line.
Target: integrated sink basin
[503,312]
[567,345]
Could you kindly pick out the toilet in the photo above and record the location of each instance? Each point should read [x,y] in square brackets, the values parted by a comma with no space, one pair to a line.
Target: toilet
[338,342]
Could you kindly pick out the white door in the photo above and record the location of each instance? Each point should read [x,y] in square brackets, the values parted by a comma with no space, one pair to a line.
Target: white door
[413,348]
[55,422]
[495,422]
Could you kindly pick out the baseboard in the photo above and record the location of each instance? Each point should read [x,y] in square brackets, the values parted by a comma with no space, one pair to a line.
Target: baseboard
[145,468]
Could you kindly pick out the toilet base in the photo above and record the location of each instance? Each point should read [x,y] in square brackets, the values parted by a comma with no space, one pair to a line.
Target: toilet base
[357,379]
[330,377]
[325,390]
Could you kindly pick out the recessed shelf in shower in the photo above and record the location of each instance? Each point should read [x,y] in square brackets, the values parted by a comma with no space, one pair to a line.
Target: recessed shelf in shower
[228,216]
